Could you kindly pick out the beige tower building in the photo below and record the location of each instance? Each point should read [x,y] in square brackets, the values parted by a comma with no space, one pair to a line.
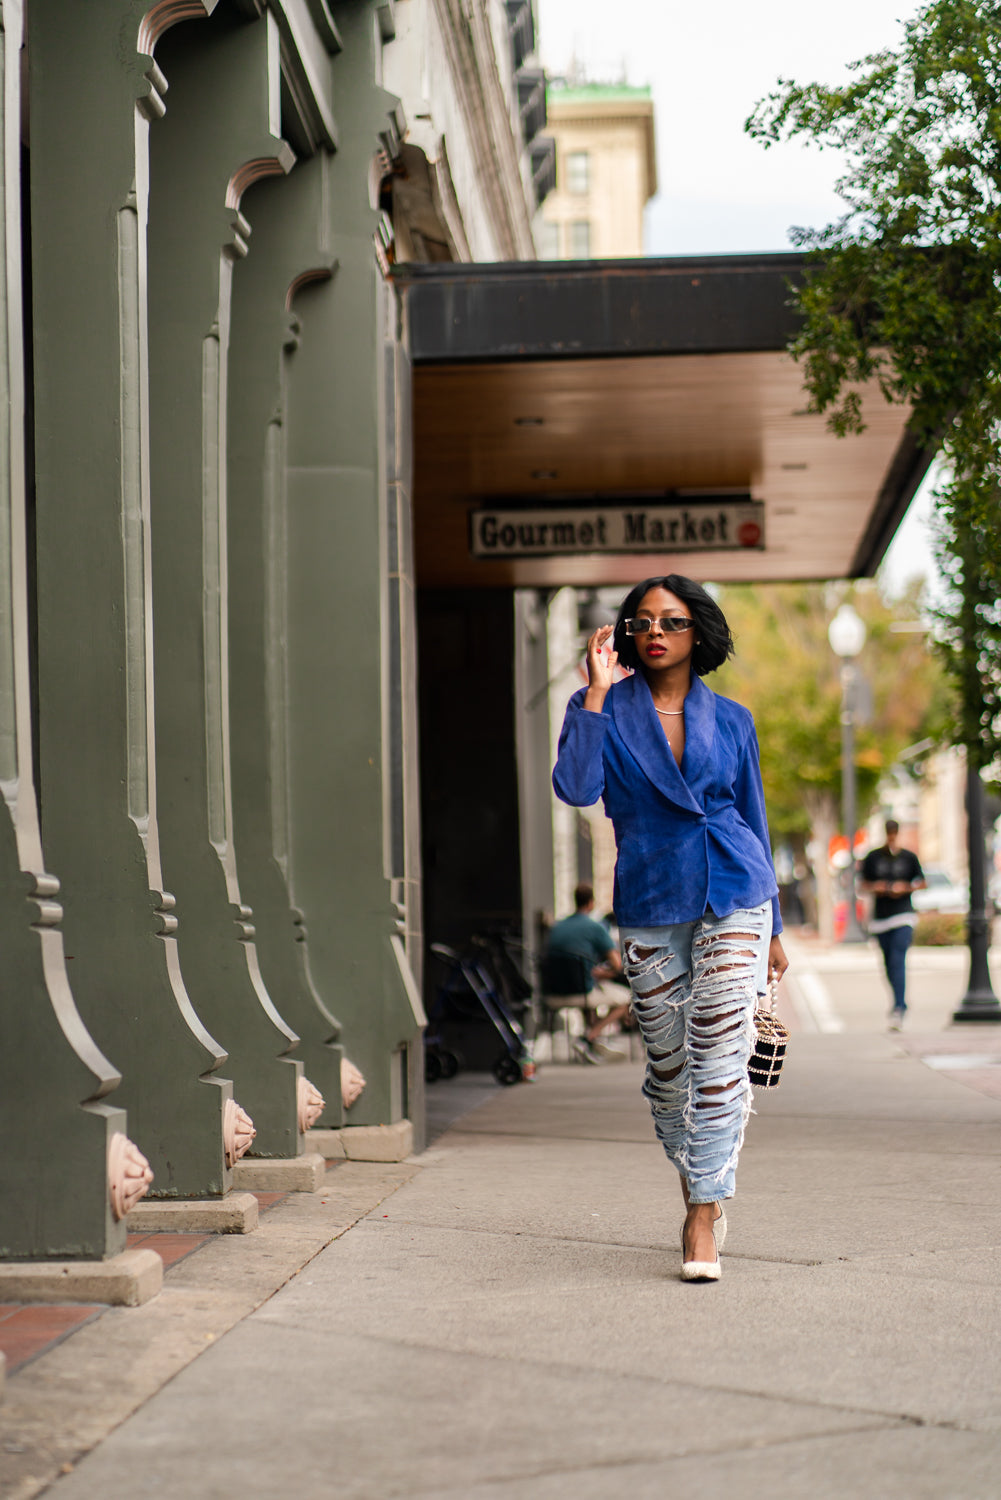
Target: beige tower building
[606,172]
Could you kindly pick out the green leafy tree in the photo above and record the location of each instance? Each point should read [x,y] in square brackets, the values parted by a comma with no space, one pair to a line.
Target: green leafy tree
[905,289]
[787,675]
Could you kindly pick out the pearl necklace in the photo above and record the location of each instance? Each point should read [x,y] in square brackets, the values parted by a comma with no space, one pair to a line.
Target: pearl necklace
[669,713]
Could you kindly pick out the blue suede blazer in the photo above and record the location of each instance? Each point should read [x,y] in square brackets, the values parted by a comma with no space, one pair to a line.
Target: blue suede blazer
[689,837]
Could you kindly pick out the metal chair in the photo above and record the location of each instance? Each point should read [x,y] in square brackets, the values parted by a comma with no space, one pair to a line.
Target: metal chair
[563,980]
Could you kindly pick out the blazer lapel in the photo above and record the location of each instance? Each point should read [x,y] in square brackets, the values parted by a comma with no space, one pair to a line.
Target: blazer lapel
[698,761]
[639,728]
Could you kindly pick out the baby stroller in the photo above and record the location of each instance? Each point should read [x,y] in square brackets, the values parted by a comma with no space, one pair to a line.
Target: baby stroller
[457,1035]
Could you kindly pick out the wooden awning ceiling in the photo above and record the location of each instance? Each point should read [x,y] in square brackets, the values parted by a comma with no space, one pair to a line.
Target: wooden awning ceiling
[636,383]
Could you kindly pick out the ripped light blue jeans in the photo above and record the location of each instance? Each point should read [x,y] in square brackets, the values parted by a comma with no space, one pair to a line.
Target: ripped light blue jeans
[694,987]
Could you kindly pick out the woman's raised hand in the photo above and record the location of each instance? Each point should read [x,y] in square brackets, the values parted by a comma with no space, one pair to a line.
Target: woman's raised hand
[600,668]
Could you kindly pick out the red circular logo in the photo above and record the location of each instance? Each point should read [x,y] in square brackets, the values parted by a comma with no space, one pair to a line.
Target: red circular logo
[749,534]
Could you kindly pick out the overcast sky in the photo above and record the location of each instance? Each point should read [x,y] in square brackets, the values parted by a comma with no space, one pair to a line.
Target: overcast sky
[708,66]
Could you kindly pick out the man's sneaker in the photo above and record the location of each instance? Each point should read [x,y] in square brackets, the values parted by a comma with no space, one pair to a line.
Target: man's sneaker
[584,1050]
[897,1018]
[608,1053]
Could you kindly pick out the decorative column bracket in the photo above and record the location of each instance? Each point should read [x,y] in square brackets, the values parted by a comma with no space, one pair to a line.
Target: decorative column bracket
[53,1077]
[223,79]
[339,532]
[93,575]
[290,259]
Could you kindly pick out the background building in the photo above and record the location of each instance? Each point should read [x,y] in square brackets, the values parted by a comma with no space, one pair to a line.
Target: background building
[606,171]
[473,163]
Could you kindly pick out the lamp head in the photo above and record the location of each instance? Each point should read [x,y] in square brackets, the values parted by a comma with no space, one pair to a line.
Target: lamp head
[846,632]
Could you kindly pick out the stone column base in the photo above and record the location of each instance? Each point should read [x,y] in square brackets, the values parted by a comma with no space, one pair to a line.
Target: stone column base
[280,1174]
[365,1142]
[236,1213]
[124,1280]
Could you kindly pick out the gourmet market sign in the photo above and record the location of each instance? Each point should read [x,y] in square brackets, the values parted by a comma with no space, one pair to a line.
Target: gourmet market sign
[715,526]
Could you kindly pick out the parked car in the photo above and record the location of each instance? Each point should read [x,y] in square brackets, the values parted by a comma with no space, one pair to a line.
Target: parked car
[941,893]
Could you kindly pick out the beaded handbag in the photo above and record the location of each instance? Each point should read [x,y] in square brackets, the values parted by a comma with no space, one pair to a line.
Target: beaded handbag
[765,1066]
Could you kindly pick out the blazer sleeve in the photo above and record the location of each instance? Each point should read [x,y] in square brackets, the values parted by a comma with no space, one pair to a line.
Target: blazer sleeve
[749,796]
[579,773]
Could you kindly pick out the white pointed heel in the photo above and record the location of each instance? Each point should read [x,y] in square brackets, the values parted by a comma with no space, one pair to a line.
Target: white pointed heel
[705,1270]
[719,1229]
[700,1270]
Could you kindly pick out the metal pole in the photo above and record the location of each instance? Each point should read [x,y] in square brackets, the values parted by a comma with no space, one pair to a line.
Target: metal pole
[980,1002]
[852,932]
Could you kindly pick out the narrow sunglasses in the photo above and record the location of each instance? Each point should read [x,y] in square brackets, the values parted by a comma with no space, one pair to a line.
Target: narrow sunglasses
[668,624]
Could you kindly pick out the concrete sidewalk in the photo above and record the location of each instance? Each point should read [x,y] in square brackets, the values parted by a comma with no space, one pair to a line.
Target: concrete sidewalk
[509,1323]
[842,987]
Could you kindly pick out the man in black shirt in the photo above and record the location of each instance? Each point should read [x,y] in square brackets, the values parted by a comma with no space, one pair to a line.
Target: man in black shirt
[891,874]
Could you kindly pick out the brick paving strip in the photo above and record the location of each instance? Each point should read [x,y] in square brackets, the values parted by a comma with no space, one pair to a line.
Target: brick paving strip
[81,1369]
[28,1330]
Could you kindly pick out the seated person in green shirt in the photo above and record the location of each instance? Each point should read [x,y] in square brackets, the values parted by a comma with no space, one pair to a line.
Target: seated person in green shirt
[583,939]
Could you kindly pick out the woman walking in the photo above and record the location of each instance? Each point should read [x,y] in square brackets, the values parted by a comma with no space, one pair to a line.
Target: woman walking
[695,894]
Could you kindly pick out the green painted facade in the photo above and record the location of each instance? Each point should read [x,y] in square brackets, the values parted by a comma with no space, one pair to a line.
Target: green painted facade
[206,600]
[55,1123]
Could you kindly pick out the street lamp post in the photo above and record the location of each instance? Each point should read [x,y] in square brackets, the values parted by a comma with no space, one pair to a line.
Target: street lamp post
[846,634]
[980,1002]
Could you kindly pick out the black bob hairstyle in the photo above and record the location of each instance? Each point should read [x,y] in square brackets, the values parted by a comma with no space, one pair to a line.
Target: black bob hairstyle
[712,633]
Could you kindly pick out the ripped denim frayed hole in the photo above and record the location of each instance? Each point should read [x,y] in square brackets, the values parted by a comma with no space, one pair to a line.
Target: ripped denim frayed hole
[697,1027]
[639,960]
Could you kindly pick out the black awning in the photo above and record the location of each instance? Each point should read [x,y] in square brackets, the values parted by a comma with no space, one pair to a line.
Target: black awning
[589,309]
[539,382]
